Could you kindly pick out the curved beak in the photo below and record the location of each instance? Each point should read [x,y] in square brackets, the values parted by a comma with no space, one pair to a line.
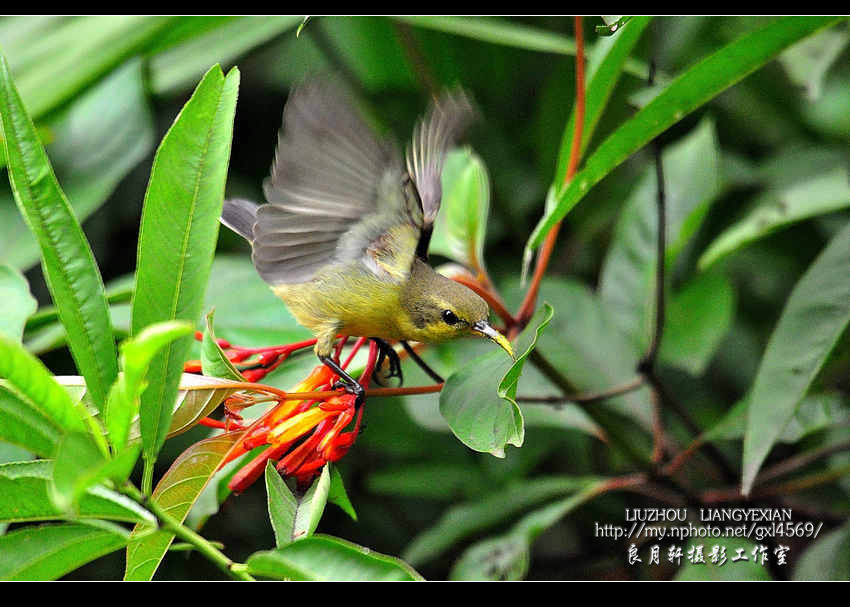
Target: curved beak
[484,328]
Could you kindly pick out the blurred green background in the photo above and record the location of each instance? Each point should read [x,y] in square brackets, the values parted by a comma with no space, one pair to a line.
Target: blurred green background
[104,90]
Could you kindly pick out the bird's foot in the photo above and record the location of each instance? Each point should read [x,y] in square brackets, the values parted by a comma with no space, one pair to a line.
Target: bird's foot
[387,352]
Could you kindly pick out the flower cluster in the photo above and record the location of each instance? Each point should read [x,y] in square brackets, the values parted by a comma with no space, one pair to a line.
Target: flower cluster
[305,429]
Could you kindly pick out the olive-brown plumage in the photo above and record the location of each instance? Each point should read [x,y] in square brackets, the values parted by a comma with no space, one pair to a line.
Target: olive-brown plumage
[343,236]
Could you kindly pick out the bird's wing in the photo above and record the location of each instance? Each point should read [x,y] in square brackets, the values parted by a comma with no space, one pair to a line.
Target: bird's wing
[446,120]
[335,192]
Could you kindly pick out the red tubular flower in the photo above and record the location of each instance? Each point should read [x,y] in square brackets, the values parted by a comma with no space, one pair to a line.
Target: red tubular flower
[303,435]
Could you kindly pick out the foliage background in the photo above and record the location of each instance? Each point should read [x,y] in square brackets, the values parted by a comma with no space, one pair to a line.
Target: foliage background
[786,125]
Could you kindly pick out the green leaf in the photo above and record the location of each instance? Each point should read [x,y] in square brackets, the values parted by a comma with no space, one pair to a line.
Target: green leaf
[176,491]
[586,347]
[18,303]
[136,355]
[95,143]
[604,66]
[178,236]
[507,556]
[75,469]
[815,315]
[827,558]
[325,558]
[697,317]
[683,95]
[32,381]
[198,396]
[257,317]
[461,224]
[181,65]
[25,495]
[489,423]
[465,519]
[213,360]
[808,62]
[78,53]
[23,424]
[295,517]
[506,33]
[814,413]
[692,181]
[67,261]
[48,552]
[819,193]
[337,494]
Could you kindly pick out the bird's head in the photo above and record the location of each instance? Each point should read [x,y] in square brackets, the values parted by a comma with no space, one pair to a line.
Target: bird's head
[441,309]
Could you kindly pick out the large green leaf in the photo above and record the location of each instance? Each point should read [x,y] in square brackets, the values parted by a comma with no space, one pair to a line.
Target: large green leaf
[461,224]
[506,557]
[605,64]
[136,355]
[295,517]
[25,496]
[176,491]
[78,53]
[25,425]
[585,346]
[683,95]
[698,316]
[67,261]
[18,303]
[465,519]
[815,315]
[181,65]
[826,558]
[324,558]
[692,181]
[818,193]
[485,419]
[177,237]
[48,552]
[30,379]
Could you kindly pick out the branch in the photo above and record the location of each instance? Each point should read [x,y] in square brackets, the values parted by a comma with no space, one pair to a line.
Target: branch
[219,559]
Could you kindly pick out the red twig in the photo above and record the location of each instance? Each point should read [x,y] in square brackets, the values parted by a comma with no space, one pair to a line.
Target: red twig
[526,310]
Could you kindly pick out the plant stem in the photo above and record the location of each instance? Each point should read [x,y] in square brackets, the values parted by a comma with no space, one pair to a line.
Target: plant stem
[526,309]
[203,546]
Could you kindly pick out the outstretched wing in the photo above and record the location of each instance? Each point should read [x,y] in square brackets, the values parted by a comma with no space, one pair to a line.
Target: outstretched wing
[446,120]
[333,191]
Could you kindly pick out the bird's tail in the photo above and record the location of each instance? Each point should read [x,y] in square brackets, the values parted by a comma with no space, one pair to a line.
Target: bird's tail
[240,215]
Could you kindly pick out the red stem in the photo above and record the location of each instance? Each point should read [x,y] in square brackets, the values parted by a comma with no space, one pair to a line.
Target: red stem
[526,310]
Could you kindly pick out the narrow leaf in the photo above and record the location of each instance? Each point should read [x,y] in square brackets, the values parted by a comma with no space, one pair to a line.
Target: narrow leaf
[325,558]
[295,517]
[25,496]
[214,362]
[178,236]
[67,261]
[178,489]
[686,93]
[48,552]
[136,354]
[31,379]
[814,317]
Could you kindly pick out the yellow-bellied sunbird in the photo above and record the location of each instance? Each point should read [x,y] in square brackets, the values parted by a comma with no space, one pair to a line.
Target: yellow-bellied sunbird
[343,237]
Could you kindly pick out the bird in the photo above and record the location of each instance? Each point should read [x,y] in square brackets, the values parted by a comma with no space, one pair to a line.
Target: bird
[343,235]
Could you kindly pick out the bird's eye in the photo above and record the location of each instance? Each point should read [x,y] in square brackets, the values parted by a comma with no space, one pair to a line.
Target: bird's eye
[449,317]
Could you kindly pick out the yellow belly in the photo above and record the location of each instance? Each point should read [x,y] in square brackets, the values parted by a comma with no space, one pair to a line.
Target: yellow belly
[349,303]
